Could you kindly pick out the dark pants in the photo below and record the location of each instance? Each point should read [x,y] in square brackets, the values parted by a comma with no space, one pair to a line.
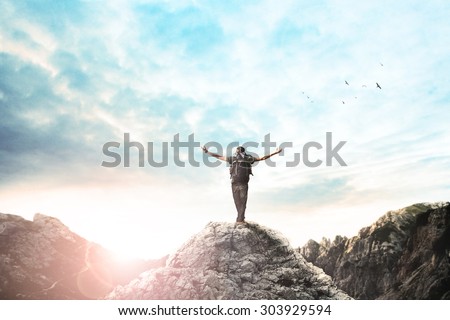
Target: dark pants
[240,192]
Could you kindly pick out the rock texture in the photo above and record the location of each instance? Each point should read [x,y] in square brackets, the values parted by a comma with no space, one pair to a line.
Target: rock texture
[43,259]
[226,261]
[403,255]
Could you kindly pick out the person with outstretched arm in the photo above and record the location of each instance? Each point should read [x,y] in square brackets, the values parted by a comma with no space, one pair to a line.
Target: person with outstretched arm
[240,171]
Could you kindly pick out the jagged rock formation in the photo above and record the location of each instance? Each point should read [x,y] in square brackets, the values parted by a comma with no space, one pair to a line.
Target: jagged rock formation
[226,261]
[403,255]
[43,259]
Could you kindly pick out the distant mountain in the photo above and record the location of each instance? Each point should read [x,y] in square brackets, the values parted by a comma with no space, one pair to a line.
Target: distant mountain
[43,259]
[225,261]
[404,255]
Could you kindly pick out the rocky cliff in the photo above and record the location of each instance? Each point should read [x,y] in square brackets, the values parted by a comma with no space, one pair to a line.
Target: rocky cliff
[225,261]
[43,259]
[403,255]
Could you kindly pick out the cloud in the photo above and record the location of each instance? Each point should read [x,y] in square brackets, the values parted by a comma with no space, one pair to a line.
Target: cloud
[41,131]
[77,74]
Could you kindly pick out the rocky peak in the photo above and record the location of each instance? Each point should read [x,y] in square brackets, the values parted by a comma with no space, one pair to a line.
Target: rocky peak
[405,254]
[53,228]
[228,261]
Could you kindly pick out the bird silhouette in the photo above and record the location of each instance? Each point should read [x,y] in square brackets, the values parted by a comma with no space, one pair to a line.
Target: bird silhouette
[378,86]
[364,86]
[343,102]
[346,82]
[381,64]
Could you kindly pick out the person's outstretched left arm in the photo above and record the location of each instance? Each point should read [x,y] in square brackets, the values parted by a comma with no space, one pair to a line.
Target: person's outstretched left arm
[269,155]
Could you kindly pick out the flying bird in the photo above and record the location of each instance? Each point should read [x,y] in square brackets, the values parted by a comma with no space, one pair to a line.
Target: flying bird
[378,86]
[381,64]
[343,102]
[364,86]
[346,82]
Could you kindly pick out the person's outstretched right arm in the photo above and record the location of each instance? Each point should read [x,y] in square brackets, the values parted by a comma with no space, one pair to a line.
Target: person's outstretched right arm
[215,155]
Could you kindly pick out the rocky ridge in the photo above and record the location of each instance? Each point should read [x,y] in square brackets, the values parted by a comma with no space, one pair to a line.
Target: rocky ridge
[405,254]
[225,261]
[43,259]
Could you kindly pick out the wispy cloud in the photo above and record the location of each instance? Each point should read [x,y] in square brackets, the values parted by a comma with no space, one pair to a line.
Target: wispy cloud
[77,74]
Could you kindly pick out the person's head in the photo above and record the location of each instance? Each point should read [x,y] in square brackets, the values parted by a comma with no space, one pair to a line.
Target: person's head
[240,149]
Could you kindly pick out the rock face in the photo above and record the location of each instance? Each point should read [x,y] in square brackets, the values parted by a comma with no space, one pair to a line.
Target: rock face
[403,255]
[225,261]
[43,259]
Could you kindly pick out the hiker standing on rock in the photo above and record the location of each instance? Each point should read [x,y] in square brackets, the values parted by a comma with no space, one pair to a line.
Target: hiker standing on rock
[240,171]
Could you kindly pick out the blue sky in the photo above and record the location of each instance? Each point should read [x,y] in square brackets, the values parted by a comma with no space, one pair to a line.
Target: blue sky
[77,74]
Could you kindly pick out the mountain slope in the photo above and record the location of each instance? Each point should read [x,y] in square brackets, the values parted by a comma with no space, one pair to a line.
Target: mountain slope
[404,255]
[43,259]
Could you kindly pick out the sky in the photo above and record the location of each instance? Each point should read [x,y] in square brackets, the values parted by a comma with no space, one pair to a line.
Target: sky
[75,75]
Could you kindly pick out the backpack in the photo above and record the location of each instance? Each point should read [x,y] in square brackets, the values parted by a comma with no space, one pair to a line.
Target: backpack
[241,169]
